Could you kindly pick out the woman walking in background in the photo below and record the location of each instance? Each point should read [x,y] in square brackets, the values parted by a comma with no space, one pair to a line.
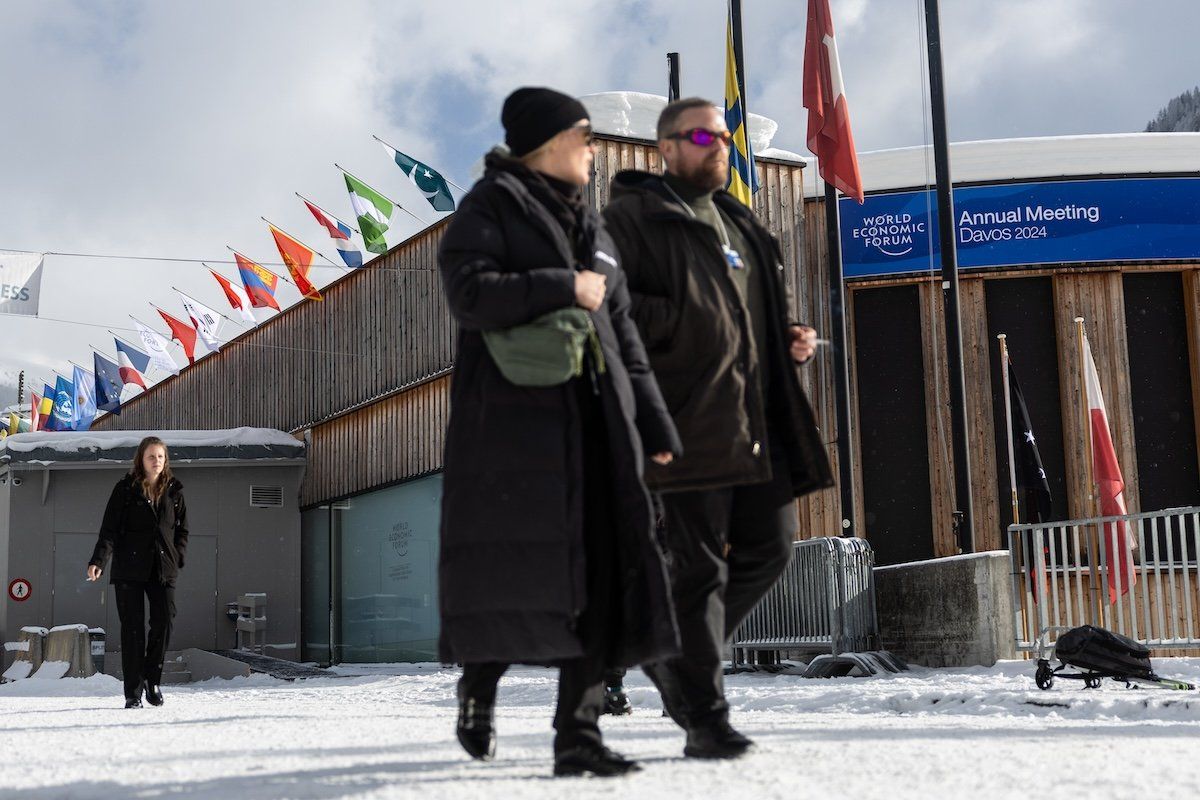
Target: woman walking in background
[547,554]
[145,532]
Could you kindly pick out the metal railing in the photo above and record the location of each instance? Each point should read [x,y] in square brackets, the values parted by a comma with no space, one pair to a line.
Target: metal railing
[1064,575]
[823,603]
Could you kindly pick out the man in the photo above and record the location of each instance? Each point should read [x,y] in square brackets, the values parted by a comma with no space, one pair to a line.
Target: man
[709,299]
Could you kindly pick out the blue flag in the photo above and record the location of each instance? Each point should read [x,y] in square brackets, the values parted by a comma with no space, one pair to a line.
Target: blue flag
[85,399]
[108,385]
[63,412]
[743,179]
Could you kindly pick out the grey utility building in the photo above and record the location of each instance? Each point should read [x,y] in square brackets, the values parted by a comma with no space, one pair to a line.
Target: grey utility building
[242,488]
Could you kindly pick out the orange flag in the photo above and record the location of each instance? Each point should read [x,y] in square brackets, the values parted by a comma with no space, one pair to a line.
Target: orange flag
[299,259]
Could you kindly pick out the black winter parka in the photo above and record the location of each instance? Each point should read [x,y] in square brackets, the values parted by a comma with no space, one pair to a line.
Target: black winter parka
[511,567]
[696,329]
[136,534]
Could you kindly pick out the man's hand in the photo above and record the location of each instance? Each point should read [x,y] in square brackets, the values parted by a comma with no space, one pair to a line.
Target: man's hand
[589,289]
[804,343]
[662,459]
[93,572]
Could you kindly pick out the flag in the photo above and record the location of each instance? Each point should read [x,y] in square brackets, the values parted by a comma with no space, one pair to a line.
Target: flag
[108,384]
[132,364]
[21,277]
[428,180]
[45,407]
[62,414]
[1118,547]
[35,411]
[1033,489]
[373,211]
[237,297]
[24,426]
[84,411]
[743,182]
[259,281]
[299,259]
[14,423]
[156,349]
[181,332]
[206,321]
[829,136]
[340,233]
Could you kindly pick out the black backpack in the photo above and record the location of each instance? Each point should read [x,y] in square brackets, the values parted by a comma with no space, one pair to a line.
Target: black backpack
[1102,651]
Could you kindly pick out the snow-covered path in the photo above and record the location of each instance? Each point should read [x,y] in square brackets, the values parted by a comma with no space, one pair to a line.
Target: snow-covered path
[979,733]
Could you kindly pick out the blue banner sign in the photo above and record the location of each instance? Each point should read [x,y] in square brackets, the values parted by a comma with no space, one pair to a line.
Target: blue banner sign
[1023,224]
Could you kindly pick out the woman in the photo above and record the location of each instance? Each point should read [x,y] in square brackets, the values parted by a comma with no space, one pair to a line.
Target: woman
[145,531]
[547,554]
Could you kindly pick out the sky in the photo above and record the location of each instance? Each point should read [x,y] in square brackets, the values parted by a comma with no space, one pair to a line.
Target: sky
[167,129]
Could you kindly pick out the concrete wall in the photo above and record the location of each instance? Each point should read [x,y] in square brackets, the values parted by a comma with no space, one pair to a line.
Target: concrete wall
[948,612]
[233,549]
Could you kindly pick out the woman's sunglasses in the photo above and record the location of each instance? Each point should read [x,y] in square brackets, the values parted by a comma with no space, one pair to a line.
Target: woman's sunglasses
[703,137]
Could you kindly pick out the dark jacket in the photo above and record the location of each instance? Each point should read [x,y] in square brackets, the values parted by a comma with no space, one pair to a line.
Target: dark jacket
[136,534]
[511,566]
[696,329]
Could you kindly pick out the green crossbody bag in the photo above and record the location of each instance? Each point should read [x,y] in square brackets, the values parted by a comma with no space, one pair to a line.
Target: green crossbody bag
[547,351]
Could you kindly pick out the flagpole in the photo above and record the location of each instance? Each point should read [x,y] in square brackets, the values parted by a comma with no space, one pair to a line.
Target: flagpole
[672,77]
[1089,509]
[735,12]
[965,513]
[447,180]
[381,194]
[1012,464]
[841,362]
[318,252]
[326,213]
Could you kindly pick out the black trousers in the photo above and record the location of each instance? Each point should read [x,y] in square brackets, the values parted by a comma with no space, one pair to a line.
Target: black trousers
[714,592]
[580,680]
[142,655]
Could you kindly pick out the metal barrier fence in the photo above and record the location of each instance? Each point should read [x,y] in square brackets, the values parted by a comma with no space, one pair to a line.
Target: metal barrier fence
[823,603]
[1063,576]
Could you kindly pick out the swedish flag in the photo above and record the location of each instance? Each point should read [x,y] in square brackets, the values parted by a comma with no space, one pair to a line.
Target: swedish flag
[743,182]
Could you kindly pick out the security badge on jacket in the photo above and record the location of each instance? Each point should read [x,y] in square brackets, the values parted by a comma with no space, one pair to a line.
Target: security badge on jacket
[733,258]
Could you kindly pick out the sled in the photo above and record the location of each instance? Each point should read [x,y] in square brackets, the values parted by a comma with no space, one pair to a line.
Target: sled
[1098,653]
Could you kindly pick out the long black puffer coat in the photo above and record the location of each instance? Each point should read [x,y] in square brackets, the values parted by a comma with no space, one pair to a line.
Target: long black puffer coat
[511,569]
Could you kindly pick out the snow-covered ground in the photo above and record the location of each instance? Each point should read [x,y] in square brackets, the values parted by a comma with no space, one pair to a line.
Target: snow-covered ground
[972,733]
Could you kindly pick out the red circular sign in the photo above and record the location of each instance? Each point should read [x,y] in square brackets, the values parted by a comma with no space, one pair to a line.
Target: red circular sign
[20,589]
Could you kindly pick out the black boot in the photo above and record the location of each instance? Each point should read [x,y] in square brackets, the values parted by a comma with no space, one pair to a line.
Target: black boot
[715,739]
[616,702]
[595,759]
[154,694]
[134,701]
[476,732]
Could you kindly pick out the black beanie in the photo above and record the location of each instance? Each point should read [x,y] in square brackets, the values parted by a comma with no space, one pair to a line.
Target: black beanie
[532,115]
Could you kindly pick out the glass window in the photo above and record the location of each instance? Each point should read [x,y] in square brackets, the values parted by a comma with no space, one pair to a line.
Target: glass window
[386,545]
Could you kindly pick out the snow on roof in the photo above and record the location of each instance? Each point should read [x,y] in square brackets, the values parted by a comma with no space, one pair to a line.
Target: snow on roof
[634,115]
[1037,158]
[45,447]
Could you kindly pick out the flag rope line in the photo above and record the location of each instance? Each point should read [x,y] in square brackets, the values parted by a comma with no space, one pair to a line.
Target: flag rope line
[202,261]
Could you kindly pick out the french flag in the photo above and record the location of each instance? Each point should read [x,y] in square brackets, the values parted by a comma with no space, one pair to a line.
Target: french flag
[132,363]
[340,233]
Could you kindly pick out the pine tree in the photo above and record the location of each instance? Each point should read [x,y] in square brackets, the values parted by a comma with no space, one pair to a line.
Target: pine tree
[1180,114]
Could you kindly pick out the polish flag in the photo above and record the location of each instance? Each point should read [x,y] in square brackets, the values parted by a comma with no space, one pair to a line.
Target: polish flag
[1118,546]
[829,136]
[237,297]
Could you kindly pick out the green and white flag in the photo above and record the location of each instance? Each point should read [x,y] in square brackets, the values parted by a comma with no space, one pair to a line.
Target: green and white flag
[428,180]
[373,211]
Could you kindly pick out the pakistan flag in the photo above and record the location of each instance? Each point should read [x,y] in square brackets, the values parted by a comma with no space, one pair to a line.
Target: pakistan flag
[427,179]
[373,210]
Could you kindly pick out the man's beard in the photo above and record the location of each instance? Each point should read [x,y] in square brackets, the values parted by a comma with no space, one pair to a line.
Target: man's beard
[706,175]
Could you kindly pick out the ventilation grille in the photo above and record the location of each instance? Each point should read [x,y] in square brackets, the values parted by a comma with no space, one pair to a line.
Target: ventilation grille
[266,496]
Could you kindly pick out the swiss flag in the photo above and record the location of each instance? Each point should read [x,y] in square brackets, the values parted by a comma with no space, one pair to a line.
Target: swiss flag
[1118,549]
[183,333]
[829,136]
